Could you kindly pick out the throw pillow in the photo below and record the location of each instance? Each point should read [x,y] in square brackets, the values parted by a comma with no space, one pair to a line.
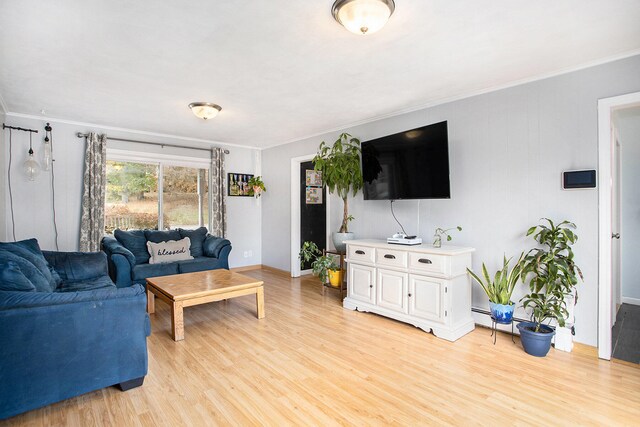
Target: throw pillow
[197,237]
[29,270]
[12,278]
[173,250]
[135,241]
[30,250]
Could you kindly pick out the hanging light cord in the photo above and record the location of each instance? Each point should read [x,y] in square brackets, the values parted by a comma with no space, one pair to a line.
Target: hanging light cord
[49,138]
[13,223]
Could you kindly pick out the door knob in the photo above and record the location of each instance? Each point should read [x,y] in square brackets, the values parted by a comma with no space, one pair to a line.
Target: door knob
[615,235]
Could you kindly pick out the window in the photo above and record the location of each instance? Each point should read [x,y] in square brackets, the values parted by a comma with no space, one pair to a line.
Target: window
[155,195]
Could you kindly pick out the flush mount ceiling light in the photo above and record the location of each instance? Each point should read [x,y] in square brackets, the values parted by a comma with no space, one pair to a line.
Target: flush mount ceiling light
[363,16]
[205,110]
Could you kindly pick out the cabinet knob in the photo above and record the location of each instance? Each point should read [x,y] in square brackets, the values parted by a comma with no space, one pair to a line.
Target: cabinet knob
[389,256]
[371,286]
[425,261]
[359,252]
[409,295]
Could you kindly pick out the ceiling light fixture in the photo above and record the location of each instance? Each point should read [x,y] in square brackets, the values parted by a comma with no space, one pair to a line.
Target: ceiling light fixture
[363,16]
[205,110]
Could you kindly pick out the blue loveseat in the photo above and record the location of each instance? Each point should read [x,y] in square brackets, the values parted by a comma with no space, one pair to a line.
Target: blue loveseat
[65,328]
[129,256]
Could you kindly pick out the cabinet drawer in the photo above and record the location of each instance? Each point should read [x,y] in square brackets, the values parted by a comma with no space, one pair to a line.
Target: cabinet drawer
[392,258]
[361,253]
[429,262]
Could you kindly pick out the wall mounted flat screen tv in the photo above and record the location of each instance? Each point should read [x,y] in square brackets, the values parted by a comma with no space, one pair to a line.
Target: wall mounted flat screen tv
[408,165]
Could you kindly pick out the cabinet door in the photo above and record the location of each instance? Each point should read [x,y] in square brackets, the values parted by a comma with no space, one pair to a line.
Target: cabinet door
[392,290]
[427,297]
[362,283]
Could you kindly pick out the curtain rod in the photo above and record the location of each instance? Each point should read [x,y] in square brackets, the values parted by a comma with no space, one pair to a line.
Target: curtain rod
[18,128]
[84,135]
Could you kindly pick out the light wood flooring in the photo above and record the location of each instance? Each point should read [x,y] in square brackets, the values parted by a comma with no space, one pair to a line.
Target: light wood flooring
[310,362]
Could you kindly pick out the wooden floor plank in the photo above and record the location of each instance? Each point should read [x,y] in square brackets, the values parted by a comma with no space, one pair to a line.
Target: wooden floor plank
[310,362]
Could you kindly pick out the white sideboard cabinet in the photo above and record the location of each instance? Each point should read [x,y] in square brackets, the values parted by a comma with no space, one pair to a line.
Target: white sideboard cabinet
[421,285]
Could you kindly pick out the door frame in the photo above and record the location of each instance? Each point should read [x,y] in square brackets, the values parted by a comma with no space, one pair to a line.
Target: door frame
[605,157]
[295,214]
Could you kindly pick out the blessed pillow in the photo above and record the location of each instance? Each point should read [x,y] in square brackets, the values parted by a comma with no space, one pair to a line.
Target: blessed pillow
[170,251]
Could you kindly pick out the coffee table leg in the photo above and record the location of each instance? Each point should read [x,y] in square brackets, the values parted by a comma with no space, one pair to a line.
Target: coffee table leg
[177,321]
[260,302]
[151,301]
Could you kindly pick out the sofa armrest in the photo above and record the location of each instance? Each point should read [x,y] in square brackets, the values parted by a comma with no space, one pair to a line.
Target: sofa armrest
[12,300]
[78,265]
[112,247]
[213,245]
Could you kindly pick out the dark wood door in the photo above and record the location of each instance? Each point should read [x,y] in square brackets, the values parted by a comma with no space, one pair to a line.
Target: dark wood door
[313,217]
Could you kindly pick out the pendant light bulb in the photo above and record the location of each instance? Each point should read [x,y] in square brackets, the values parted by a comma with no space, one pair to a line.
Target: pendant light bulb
[46,156]
[31,166]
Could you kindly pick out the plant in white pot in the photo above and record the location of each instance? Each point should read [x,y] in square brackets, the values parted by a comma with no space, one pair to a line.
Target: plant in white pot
[553,277]
[500,288]
[341,174]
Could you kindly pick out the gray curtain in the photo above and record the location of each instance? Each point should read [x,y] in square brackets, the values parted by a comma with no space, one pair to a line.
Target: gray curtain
[217,192]
[93,194]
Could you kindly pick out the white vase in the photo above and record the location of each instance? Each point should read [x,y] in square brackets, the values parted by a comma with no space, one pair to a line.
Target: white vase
[339,240]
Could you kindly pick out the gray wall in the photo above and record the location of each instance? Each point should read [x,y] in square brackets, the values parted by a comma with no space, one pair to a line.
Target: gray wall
[32,200]
[508,149]
[628,125]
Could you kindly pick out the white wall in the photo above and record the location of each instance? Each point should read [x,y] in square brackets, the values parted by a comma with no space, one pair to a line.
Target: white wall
[32,200]
[628,126]
[507,150]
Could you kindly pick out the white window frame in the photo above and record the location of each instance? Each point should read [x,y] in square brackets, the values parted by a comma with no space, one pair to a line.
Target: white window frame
[161,160]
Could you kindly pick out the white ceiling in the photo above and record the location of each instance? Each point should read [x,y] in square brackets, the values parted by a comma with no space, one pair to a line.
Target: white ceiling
[282,69]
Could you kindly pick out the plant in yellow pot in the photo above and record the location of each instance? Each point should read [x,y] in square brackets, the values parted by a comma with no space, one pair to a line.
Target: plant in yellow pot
[323,266]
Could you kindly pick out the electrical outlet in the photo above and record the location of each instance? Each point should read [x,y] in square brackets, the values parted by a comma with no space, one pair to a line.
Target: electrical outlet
[246,254]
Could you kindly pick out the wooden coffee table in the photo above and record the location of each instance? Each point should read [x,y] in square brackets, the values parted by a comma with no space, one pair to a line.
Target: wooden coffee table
[188,289]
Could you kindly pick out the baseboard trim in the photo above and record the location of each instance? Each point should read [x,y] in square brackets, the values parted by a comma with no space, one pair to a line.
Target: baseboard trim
[246,268]
[275,270]
[632,301]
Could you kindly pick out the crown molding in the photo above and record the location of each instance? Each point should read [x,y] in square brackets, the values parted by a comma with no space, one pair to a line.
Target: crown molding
[447,100]
[131,131]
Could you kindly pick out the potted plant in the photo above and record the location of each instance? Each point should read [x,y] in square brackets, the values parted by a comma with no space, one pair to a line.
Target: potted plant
[323,266]
[500,289]
[256,186]
[341,174]
[553,277]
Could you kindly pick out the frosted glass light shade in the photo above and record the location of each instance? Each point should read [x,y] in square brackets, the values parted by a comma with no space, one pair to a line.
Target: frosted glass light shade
[205,110]
[46,155]
[31,167]
[363,16]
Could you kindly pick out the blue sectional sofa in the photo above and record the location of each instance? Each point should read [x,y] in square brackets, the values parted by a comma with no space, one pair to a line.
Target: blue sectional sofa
[129,257]
[65,328]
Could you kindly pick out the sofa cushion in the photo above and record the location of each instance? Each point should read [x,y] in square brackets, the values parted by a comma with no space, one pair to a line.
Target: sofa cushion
[135,241]
[142,271]
[30,250]
[199,264]
[29,270]
[171,251]
[12,278]
[197,237]
[100,282]
[157,236]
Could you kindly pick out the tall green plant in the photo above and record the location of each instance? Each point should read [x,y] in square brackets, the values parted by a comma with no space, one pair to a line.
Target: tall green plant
[340,166]
[552,271]
[500,289]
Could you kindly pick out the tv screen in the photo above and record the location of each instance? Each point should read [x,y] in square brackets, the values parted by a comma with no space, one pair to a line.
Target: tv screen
[409,165]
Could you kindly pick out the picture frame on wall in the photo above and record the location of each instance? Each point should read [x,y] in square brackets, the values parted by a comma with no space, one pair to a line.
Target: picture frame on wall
[238,184]
[314,178]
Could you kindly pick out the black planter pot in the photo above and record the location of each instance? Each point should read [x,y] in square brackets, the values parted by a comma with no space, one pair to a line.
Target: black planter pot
[535,343]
